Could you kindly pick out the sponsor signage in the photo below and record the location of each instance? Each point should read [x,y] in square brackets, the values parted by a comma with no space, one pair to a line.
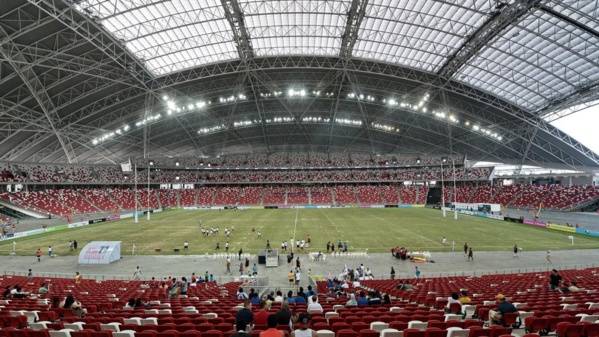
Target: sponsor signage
[561,228]
[534,223]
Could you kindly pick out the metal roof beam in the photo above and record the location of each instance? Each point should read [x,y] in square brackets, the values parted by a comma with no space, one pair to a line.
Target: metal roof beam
[63,12]
[235,16]
[569,20]
[503,17]
[29,77]
[355,15]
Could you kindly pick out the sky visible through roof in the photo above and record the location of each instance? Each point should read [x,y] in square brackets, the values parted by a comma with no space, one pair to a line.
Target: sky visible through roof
[582,126]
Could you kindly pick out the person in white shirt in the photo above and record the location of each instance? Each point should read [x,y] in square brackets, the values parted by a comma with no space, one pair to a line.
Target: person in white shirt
[314,306]
[454,298]
[279,297]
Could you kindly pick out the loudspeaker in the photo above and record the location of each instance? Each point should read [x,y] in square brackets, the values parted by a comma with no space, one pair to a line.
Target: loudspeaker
[176,250]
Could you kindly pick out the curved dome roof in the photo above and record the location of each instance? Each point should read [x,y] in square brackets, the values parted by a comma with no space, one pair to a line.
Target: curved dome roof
[85,78]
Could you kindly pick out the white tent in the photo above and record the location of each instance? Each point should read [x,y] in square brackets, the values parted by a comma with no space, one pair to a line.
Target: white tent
[100,252]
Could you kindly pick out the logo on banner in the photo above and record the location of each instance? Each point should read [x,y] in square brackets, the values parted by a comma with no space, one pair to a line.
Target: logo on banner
[96,253]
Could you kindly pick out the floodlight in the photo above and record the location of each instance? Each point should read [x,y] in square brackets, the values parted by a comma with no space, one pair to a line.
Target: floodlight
[165,97]
[177,164]
[444,159]
[151,162]
[418,160]
[177,178]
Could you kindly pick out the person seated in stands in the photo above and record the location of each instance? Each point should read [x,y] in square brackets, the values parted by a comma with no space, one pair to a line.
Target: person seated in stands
[55,304]
[70,303]
[573,288]
[314,305]
[362,300]
[17,292]
[310,292]
[454,298]
[564,288]
[43,288]
[299,298]
[139,303]
[352,301]
[279,297]
[6,293]
[260,318]
[374,298]
[332,293]
[304,327]
[386,299]
[301,293]
[130,303]
[464,299]
[272,330]
[290,299]
[284,315]
[245,313]
[175,289]
[242,329]
[241,295]
[503,307]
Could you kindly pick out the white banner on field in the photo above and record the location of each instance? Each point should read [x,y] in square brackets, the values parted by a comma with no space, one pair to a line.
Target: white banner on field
[100,252]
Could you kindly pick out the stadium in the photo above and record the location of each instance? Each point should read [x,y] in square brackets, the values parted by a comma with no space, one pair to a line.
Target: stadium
[350,146]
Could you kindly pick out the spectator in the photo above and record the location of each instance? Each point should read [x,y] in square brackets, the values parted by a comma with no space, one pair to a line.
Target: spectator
[362,301]
[261,317]
[464,299]
[43,288]
[573,288]
[241,295]
[70,303]
[314,306]
[352,301]
[503,307]
[279,297]
[284,315]
[242,329]
[304,327]
[272,328]
[130,303]
[554,280]
[374,298]
[290,299]
[454,298]
[245,313]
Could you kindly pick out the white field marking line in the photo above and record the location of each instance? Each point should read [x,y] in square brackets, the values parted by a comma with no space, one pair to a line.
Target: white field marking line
[418,235]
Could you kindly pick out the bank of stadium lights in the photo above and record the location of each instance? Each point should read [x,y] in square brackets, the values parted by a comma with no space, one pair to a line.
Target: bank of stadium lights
[296,93]
[383,127]
[271,94]
[212,129]
[487,132]
[110,135]
[350,122]
[361,97]
[314,119]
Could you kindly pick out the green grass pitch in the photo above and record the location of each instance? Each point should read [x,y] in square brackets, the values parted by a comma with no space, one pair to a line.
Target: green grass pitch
[375,230]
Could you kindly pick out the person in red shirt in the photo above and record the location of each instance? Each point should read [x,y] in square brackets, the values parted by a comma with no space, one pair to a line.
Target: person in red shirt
[261,317]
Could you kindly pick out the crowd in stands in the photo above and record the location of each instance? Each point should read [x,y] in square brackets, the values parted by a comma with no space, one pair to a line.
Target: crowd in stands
[353,304]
